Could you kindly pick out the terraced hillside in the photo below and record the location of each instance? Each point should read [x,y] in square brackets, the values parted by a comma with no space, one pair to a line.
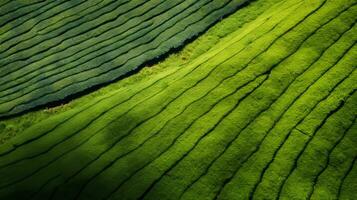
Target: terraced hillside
[267,113]
[54,49]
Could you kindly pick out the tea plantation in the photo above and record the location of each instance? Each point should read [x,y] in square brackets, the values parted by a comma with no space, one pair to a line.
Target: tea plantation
[267,111]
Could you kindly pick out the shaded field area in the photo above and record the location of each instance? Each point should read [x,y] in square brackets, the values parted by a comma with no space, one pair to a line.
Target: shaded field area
[51,50]
[267,113]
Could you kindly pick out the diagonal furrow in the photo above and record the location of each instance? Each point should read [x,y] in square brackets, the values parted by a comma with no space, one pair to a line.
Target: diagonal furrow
[353,164]
[152,136]
[18,8]
[287,136]
[101,74]
[101,114]
[84,80]
[327,163]
[109,7]
[60,69]
[175,117]
[21,15]
[47,45]
[256,148]
[80,21]
[208,74]
[37,102]
[195,68]
[78,38]
[110,70]
[17,26]
[245,119]
[219,121]
[31,32]
[50,63]
[82,110]
[76,69]
[4,3]
[340,105]
[142,123]
[236,172]
[78,15]
[57,144]
[70,34]
[295,99]
[35,193]
[65,87]
[98,46]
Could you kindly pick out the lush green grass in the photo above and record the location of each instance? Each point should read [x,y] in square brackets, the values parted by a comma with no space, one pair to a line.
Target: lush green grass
[84,49]
[269,112]
[14,126]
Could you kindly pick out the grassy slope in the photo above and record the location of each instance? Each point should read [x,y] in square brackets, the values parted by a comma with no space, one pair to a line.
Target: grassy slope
[13,126]
[268,112]
[62,48]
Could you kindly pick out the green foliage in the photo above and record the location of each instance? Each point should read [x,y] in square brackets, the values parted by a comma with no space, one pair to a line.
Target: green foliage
[40,66]
[187,54]
[268,112]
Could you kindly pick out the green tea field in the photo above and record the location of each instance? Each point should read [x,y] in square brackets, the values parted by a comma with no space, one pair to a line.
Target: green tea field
[166,100]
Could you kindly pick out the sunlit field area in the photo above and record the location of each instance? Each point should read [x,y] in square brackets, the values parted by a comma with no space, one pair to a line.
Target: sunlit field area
[178,99]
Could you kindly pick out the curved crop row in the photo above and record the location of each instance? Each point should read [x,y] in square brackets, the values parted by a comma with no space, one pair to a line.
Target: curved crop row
[269,112]
[54,49]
